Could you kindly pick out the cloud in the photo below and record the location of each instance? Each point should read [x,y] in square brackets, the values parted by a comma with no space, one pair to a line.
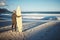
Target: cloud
[2,4]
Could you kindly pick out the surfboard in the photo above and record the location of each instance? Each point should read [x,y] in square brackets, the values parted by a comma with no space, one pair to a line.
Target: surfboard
[19,19]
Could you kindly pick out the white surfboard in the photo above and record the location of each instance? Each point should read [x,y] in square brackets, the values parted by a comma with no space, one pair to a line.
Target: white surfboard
[19,19]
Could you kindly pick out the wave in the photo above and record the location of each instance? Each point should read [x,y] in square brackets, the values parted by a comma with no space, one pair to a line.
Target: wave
[35,14]
[7,14]
[33,17]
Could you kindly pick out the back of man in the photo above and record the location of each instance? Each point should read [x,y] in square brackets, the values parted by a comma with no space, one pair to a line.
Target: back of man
[14,18]
[14,23]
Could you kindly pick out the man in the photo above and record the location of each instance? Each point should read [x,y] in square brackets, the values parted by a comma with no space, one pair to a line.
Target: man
[14,23]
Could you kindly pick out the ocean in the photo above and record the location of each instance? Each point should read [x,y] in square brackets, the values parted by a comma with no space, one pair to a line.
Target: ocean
[33,16]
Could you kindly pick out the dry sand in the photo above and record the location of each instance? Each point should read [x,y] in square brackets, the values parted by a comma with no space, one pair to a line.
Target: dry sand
[9,35]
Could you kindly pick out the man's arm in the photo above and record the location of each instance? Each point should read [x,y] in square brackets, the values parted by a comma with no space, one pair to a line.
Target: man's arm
[18,16]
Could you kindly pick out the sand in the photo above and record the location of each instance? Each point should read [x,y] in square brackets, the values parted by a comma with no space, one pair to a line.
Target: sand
[9,35]
[44,31]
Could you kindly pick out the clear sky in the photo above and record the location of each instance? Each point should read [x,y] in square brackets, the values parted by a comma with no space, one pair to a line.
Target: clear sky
[34,5]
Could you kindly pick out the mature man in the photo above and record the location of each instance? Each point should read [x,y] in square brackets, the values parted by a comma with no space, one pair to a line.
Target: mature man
[14,23]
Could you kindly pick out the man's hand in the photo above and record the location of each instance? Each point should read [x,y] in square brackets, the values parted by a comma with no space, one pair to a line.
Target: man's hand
[18,16]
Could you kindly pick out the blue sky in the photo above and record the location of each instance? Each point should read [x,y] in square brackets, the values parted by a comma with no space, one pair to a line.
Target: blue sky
[34,5]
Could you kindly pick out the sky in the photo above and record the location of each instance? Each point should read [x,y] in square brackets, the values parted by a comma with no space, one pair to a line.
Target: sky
[34,5]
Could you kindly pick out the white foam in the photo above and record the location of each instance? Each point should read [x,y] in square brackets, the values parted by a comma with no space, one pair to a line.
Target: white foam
[34,17]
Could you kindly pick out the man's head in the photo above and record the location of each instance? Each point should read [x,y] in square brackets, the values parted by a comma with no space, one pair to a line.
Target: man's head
[14,11]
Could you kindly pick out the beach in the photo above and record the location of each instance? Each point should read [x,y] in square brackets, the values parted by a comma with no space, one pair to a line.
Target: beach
[45,31]
[29,19]
[39,28]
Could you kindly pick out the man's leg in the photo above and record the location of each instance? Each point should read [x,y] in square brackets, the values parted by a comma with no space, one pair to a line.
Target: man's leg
[12,27]
[15,28]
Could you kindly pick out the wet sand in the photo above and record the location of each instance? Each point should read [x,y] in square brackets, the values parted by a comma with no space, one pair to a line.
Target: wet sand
[47,31]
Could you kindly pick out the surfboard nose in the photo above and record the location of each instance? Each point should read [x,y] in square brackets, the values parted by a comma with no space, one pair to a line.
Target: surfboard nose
[18,10]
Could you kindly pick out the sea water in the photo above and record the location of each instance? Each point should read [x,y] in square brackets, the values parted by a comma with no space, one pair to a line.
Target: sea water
[33,16]
[33,19]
